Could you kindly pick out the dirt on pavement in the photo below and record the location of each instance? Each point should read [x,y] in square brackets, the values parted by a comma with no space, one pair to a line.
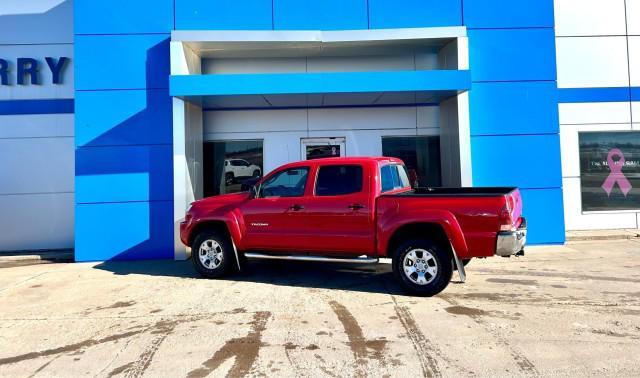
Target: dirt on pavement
[568,311]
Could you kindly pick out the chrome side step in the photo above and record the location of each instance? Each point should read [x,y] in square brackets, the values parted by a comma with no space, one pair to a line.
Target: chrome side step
[358,260]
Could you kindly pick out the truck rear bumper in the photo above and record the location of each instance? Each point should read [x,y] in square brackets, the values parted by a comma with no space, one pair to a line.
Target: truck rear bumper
[512,242]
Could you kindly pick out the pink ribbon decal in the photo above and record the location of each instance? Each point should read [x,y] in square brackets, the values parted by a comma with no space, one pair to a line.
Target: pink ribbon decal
[616,175]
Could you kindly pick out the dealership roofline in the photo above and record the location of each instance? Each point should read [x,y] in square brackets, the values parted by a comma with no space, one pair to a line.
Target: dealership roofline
[296,43]
[318,36]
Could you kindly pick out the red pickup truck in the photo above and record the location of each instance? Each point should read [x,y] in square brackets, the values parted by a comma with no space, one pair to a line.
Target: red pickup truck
[355,210]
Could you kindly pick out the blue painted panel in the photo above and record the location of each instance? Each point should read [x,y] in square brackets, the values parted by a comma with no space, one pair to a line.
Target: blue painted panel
[124,231]
[414,13]
[121,62]
[508,13]
[526,161]
[613,94]
[513,108]
[124,173]
[544,211]
[320,15]
[42,106]
[514,54]
[223,14]
[123,16]
[333,82]
[131,117]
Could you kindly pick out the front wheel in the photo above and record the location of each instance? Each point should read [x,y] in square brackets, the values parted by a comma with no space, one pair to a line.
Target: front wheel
[212,254]
[423,267]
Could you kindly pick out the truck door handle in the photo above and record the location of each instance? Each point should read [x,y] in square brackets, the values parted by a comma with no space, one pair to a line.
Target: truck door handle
[296,207]
[356,206]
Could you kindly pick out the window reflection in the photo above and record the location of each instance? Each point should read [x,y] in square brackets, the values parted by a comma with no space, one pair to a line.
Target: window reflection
[322,151]
[421,155]
[230,164]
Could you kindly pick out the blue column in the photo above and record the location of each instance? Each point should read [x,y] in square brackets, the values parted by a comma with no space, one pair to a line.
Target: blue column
[513,107]
[123,129]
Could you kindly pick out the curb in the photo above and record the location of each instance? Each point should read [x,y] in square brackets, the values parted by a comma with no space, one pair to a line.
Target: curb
[44,256]
[603,237]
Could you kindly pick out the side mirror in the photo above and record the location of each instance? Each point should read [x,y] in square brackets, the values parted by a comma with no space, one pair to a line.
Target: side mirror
[251,186]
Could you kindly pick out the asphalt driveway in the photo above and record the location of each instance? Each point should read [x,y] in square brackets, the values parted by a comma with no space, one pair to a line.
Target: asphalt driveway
[568,311]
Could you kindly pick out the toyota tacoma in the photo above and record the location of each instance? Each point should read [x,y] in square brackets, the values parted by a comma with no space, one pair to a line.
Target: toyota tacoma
[355,210]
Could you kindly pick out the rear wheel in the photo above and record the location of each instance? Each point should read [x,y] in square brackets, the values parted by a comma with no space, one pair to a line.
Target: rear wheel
[423,267]
[256,173]
[229,178]
[212,254]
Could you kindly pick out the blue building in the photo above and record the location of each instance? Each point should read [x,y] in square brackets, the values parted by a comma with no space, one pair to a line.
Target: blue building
[169,101]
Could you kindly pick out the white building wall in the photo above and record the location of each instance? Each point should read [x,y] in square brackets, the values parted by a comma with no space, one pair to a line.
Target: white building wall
[282,129]
[37,150]
[598,46]
[363,128]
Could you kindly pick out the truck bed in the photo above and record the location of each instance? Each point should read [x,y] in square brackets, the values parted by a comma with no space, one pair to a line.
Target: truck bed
[478,211]
[455,192]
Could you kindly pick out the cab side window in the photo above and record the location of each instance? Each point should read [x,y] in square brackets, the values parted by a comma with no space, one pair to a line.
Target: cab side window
[338,180]
[288,183]
[393,176]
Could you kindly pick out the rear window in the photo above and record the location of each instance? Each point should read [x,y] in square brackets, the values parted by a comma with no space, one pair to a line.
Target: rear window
[337,180]
[393,176]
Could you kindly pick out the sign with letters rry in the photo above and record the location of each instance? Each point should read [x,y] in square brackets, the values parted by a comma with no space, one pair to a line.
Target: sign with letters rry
[28,71]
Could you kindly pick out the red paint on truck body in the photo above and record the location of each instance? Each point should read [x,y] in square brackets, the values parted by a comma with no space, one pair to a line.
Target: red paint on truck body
[352,224]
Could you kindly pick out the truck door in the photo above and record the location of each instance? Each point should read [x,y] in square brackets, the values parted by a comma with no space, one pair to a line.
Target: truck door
[340,212]
[274,220]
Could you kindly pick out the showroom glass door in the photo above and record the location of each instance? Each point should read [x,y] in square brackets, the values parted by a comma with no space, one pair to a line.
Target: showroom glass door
[317,148]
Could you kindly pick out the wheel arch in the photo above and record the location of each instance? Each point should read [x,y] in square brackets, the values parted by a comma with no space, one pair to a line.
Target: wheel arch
[426,230]
[447,234]
[209,225]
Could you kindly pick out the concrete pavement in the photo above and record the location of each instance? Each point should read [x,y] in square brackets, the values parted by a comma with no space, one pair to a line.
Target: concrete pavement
[559,311]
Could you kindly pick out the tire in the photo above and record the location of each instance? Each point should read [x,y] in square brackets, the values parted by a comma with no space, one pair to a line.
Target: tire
[256,173]
[228,178]
[217,250]
[426,281]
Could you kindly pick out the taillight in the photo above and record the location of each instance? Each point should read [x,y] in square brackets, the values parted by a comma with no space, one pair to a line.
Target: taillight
[505,219]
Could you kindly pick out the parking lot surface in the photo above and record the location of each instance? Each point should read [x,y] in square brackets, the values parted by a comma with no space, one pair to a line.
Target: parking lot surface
[558,311]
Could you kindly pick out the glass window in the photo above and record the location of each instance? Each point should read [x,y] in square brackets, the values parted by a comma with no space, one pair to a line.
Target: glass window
[288,183]
[231,166]
[336,180]
[610,170]
[393,176]
[386,177]
[421,155]
[240,163]
[322,151]
[404,176]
